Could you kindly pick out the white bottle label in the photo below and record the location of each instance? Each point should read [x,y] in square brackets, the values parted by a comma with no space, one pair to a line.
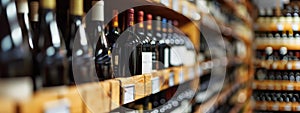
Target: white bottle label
[116,60]
[57,106]
[128,94]
[175,56]
[166,58]
[155,85]
[146,62]
[98,11]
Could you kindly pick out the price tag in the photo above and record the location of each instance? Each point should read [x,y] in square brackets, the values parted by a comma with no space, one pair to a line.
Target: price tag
[290,87]
[298,108]
[181,76]
[191,73]
[128,93]
[171,79]
[280,27]
[263,107]
[297,65]
[155,85]
[275,107]
[175,5]
[289,65]
[57,106]
[254,86]
[287,107]
[271,86]
[295,27]
[274,65]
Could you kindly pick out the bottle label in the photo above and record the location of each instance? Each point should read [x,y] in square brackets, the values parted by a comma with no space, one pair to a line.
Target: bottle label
[298,108]
[129,92]
[175,56]
[171,79]
[98,11]
[274,65]
[22,6]
[146,62]
[155,85]
[166,58]
[116,61]
[9,86]
[57,106]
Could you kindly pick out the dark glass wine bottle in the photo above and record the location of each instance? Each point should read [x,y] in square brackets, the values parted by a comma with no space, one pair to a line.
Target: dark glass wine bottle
[127,48]
[102,53]
[52,58]
[153,42]
[164,49]
[113,35]
[34,23]
[82,49]
[23,10]
[158,36]
[15,56]
[143,50]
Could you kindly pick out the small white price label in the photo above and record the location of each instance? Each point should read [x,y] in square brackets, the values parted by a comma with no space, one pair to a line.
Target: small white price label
[275,107]
[295,27]
[271,86]
[57,106]
[289,65]
[274,66]
[128,93]
[290,87]
[298,108]
[297,65]
[191,73]
[181,76]
[263,107]
[288,107]
[155,85]
[171,79]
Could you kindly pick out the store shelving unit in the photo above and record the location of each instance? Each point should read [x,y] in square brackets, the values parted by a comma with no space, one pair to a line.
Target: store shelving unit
[111,94]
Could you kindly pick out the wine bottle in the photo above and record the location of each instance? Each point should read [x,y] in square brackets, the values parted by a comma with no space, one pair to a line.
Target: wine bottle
[52,58]
[75,20]
[102,53]
[164,50]
[144,54]
[15,56]
[158,36]
[34,23]
[153,42]
[113,35]
[283,53]
[23,10]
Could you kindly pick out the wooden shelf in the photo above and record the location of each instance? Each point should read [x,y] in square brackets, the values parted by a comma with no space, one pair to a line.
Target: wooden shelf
[278,46]
[278,65]
[277,106]
[282,85]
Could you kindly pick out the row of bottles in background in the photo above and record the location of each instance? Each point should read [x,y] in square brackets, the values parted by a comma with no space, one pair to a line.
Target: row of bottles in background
[272,96]
[279,19]
[277,38]
[275,55]
[37,49]
[263,74]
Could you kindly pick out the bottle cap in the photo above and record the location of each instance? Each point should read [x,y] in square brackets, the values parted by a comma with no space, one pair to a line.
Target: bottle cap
[141,19]
[34,11]
[269,50]
[130,17]
[115,19]
[48,4]
[149,21]
[76,7]
[283,50]
[158,23]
